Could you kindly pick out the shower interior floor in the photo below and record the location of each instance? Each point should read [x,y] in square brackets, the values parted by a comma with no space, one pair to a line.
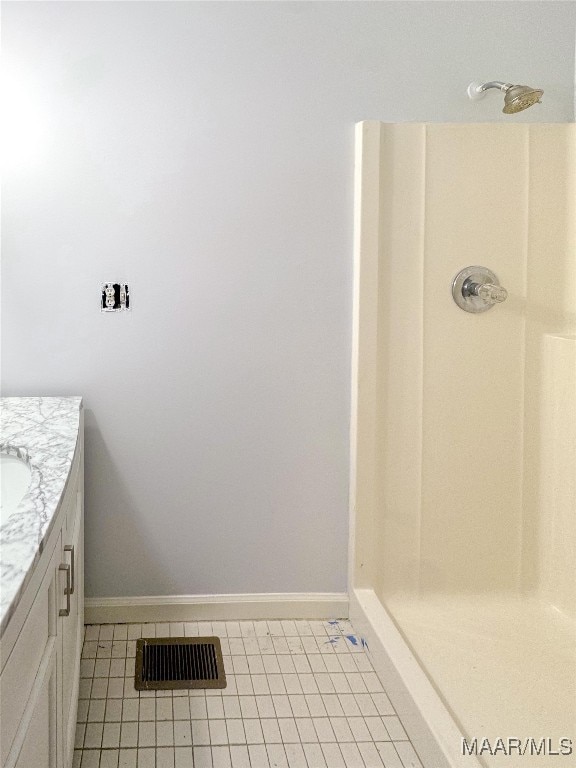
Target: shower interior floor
[505,666]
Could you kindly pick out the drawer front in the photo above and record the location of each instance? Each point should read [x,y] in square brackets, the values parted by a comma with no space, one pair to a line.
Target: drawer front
[22,666]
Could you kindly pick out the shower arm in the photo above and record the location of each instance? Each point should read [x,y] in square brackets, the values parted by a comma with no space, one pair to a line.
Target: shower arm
[478,90]
[496,84]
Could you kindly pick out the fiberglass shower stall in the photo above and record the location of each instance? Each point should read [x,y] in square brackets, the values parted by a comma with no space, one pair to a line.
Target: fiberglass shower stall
[463,546]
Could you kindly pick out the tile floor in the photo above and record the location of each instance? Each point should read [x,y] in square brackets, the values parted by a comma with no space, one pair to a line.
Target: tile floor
[300,694]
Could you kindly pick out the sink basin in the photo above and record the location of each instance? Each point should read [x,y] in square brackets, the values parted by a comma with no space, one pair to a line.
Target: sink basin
[15,476]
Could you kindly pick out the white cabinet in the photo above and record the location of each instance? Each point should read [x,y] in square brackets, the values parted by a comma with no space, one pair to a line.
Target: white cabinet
[41,645]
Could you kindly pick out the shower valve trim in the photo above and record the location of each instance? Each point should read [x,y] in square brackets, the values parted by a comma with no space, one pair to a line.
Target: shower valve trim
[477,289]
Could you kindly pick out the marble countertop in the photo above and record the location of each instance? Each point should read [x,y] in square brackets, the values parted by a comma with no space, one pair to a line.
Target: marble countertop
[43,431]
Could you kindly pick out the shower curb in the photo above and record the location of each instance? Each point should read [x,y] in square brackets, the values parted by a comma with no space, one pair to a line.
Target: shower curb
[430,726]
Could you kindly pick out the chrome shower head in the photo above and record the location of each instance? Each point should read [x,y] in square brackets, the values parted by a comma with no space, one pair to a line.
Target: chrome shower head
[516,97]
[519,97]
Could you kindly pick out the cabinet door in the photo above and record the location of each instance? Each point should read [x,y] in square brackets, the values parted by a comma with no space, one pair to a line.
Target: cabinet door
[72,626]
[37,743]
[39,748]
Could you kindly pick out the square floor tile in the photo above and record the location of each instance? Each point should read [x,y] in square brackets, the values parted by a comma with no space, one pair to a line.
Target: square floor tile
[300,694]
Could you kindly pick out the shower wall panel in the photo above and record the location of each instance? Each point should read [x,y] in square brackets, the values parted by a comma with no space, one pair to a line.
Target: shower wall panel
[549,498]
[557,497]
[450,474]
[473,364]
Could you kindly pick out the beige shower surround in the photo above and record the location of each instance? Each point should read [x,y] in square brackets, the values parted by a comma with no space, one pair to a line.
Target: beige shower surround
[464,428]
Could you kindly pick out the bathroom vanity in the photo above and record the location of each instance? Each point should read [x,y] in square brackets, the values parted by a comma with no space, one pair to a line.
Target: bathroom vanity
[41,579]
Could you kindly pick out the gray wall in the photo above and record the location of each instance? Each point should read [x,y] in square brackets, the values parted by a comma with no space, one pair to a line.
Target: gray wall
[204,153]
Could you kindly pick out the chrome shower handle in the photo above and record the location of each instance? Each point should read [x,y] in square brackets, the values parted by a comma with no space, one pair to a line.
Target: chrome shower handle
[490,292]
[477,289]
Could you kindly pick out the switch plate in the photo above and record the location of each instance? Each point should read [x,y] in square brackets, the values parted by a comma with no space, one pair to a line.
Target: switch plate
[115,297]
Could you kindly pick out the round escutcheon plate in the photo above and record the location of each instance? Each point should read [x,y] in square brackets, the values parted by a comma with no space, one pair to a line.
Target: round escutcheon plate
[465,300]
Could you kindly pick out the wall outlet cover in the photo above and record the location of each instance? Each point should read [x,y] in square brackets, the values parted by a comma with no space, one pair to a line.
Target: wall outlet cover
[115,297]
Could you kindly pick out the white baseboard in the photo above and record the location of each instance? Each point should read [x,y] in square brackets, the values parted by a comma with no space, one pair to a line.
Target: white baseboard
[432,729]
[299,605]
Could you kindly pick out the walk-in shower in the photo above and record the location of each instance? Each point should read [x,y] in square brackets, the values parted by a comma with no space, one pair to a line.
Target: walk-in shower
[463,544]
